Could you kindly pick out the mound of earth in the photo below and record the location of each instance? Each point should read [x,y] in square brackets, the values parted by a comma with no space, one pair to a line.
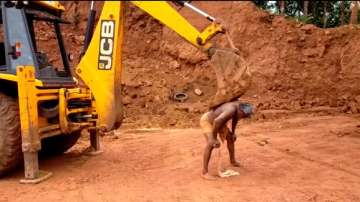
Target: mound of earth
[294,66]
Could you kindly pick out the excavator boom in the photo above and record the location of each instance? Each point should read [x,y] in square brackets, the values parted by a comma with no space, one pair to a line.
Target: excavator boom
[100,67]
[167,15]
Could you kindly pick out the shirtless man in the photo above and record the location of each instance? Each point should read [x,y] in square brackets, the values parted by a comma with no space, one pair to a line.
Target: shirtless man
[213,123]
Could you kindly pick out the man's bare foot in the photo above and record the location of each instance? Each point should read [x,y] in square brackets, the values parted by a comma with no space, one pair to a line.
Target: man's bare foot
[235,164]
[207,176]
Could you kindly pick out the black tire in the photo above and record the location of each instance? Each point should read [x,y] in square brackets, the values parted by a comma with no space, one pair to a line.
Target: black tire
[59,144]
[10,134]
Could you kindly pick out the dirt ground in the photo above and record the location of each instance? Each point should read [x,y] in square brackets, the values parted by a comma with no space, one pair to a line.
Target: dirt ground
[301,157]
[302,145]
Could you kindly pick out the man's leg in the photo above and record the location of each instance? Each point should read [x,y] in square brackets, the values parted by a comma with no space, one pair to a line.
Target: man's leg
[231,147]
[207,154]
[207,129]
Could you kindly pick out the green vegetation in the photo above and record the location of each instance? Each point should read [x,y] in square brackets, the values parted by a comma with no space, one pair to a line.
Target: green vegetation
[320,13]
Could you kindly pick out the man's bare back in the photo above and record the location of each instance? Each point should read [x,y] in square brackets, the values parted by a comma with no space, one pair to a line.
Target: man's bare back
[214,123]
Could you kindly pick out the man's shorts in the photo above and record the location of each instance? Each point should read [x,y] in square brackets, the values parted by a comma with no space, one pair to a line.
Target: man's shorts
[207,126]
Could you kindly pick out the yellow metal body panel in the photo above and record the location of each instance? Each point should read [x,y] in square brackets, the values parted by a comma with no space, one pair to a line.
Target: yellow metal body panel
[14,78]
[35,127]
[100,67]
[166,14]
[8,77]
[209,32]
[28,109]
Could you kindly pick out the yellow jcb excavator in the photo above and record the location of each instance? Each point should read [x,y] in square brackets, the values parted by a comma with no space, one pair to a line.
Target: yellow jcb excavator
[44,108]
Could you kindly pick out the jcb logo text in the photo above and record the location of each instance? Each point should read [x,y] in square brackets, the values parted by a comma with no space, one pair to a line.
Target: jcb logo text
[106,44]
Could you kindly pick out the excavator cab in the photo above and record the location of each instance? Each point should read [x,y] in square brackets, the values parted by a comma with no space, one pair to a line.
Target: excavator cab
[42,109]
[21,35]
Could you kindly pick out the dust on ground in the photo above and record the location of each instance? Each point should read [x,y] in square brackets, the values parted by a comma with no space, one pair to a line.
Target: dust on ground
[301,158]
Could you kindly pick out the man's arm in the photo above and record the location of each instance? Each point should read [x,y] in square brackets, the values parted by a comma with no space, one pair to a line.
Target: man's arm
[234,122]
[221,120]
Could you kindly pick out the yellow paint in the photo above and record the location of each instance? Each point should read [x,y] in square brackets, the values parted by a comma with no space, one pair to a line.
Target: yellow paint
[8,77]
[33,126]
[63,121]
[105,83]
[209,32]
[14,78]
[28,108]
[166,14]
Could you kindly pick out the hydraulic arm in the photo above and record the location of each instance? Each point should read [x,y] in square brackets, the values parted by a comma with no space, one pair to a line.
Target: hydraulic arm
[166,14]
[105,48]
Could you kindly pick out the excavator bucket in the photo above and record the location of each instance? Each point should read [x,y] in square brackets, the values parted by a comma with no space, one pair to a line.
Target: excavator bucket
[232,75]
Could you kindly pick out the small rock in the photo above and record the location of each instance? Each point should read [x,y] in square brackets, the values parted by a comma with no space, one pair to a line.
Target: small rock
[174,64]
[195,110]
[172,122]
[133,96]
[315,101]
[308,28]
[345,96]
[198,92]
[322,51]
[115,137]
[263,142]
[126,100]
[357,99]
[71,57]
[310,52]
[327,32]
[342,134]
[147,83]
[157,98]
[185,108]
[162,82]
[289,39]
[333,102]
[79,39]
[353,107]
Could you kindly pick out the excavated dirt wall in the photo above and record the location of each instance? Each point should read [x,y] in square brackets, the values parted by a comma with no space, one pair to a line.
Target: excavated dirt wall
[295,66]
